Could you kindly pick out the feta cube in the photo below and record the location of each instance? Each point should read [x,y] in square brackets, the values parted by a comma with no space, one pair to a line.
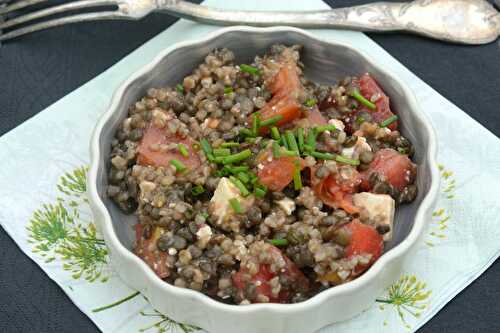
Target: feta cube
[354,151]
[287,204]
[219,204]
[337,123]
[378,208]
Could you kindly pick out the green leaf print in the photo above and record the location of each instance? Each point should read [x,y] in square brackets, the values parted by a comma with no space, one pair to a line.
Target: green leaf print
[164,324]
[59,232]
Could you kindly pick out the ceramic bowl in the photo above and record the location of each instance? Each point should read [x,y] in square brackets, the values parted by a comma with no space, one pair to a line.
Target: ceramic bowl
[324,62]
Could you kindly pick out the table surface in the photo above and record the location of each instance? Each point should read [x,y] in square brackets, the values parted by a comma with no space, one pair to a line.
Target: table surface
[37,70]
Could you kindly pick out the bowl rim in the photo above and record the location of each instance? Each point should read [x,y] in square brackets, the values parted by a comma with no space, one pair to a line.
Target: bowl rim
[397,251]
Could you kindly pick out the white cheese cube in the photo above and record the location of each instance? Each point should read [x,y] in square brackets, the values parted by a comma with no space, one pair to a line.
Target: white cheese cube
[287,204]
[220,205]
[378,208]
[337,123]
[354,151]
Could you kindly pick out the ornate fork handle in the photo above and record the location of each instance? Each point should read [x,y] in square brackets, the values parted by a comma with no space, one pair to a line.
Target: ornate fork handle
[465,21]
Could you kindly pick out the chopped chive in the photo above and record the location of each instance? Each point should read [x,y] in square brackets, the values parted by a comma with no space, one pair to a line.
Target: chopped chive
[222,152]
[205,215]
[275,133]
[180,88]
[219,159]
[271,121]
[207,148]
[276,149]
[243,190]
[287,152]
[297,180]
[179,166]
[284,142]
[255,123]
[196,146]
[310,102]
[300,138]
[230,144]
[360,98]
[403,151]
[311,139]
[389,121]
[235,204]
[242,155]
[246,132]
[292,143]
[323,156]
[308,148]
[264,143]
[278,242]
[197,190]
[249,69]
[243,177]
[321,129]
[228,90]
[250,140]
[238,169]
[259,192]
[183,150]
[345,160]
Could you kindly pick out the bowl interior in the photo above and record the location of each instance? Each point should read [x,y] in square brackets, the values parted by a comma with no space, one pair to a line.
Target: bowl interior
[324,62]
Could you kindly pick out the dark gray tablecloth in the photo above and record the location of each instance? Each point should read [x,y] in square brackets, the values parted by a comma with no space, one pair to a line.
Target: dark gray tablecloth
[37,70]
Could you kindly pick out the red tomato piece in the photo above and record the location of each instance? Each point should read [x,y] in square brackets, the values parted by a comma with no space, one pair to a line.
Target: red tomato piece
[154,135]
[277,173]
[364,240]
[147,250]
[397,168]
[261,280]
[315,117]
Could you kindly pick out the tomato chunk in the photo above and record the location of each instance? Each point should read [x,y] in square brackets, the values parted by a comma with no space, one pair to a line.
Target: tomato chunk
[336,191]
[147,250]
[315,118]
[397,168]
[364,240]
[261,280]
[277,172]
[155,135]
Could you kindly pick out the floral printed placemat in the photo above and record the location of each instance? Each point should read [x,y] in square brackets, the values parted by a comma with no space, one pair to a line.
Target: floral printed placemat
[45,210]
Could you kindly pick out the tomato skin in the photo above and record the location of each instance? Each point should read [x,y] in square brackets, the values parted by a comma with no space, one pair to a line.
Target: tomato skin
[147,250]
[397,168]
[277,173]
[261,279]
[364,240]
[368,87]
[336,193]
[155,135]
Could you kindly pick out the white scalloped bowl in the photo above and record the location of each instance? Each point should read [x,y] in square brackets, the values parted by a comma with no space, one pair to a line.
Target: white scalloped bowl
[324,60]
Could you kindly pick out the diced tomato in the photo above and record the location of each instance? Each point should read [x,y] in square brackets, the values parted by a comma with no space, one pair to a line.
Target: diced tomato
[148,251]
[277,172]
[335,191]
[397,168]
[261,280]
[154,135]
[368,88]
[315,117]
[364,240]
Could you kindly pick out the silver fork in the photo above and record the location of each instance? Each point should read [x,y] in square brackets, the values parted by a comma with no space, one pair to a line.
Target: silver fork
[458,21]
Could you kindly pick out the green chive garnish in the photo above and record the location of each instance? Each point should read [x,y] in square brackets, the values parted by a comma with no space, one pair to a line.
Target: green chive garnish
[276,149]
[235,204]
[246,132]
[255,123]
[321,129]
[284,142]
[259,192]
[357,95]
[242,155]
[310,102]
[323,156]
[222,152]
[297,180]
[180,88]
[238,169]
[218,159]
[207,148]
[228,90]
[249,69]
[403,151]
[243,190]
[271,121]
[275,133]
[230,144]
[300,138]
[311,139]
[345,160]
[179,166]
[183,150]
[197,190]
[278,242]
[250,140]
[292,143]
[243,177]
[287,152]
[389,121]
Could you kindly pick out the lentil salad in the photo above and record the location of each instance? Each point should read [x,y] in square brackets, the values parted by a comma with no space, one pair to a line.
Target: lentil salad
[253,184]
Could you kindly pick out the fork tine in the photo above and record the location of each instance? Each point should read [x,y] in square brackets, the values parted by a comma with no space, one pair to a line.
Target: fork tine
[55,10]
[18,5]
[109,15]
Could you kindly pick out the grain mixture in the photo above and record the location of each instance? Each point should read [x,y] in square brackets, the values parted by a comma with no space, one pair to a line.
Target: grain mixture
[253,184]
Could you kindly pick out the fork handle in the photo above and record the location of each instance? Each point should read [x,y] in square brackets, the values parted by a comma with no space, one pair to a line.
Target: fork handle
[459,21]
